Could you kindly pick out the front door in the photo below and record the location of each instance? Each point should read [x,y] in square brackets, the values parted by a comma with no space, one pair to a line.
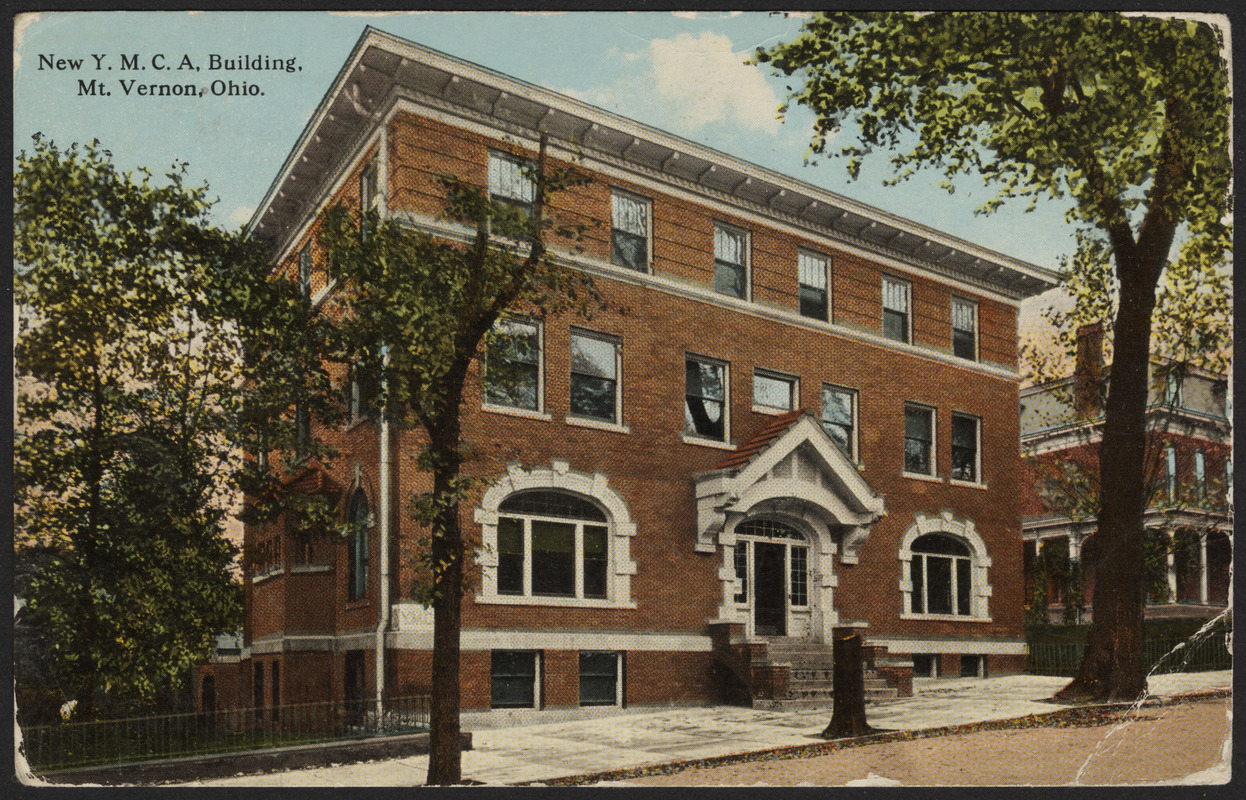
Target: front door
[770,605]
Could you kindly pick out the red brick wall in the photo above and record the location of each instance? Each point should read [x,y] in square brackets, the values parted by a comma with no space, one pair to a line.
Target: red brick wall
[683,240]
[676,590]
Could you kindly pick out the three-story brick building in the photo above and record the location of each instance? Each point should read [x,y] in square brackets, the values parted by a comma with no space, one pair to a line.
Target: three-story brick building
[796,412]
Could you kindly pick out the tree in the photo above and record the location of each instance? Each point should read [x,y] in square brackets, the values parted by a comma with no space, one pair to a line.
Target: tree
[127,387]
[416,313]
[1193,326]
[1124,117]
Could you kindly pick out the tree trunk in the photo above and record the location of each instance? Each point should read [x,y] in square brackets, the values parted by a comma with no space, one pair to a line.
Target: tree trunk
[444,761]
[848,708]
[1112,664]
[95,478]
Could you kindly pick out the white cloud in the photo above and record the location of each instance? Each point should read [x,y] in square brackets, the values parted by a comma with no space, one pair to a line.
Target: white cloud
[692,82]
[240,215]
[705,81]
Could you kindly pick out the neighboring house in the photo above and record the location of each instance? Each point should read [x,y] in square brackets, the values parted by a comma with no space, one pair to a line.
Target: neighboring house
[797,412]
[1189,518]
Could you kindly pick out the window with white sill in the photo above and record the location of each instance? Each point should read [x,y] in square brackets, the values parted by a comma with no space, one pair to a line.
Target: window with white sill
[919,439]
[705,398]
[629,231]
[966,448]
[774,391]
[595,387]
[512,368]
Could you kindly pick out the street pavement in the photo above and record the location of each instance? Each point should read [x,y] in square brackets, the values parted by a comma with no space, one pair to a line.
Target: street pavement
[520,746]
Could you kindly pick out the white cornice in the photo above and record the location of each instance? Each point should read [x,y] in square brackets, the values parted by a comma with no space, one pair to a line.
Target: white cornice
[673,186]
[354,71]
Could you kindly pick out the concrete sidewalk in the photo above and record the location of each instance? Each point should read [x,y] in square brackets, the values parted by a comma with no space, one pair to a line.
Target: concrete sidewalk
[513,747]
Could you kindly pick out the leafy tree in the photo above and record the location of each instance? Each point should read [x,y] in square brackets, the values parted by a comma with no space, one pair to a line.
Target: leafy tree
[416,313]
[1126,118]
[127,387]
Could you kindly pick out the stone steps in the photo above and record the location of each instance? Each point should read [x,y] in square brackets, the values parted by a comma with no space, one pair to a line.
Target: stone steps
[811,675]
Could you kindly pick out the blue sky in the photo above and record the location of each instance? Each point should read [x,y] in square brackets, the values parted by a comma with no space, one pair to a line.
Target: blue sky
[680,73]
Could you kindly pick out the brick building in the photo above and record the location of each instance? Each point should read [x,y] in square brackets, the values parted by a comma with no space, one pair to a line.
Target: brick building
[1190,471]
[797,412]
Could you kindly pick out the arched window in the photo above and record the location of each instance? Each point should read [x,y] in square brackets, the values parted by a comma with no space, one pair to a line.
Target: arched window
[552,544]
[361,520]
[942,576]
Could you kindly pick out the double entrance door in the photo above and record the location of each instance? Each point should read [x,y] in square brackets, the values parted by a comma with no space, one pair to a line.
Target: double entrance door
[771,564]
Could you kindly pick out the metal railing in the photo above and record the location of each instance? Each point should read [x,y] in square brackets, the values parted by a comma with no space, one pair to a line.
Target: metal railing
[68,745]
[1158,655]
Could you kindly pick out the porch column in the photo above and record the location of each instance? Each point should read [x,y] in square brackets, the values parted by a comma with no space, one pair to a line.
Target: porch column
[1202,568]
[1172,570]
[1075,546]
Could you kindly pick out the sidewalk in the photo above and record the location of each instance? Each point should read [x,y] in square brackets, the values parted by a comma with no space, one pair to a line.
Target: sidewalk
[541,745]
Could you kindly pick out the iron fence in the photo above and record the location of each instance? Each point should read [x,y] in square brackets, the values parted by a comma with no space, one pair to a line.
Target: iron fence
[1158,655]
[50,748]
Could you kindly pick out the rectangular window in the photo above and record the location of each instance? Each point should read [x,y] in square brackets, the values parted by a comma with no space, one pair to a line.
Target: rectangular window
[357,566]
[740,558]
[964,580]
[938,585]
[896,309]
[553,558]
[599,678]
[965,329]
[362,400]
[257,684]
[596,559]
[918,439]
[549,558]
[513,369]
[305,270]
[705,406]
[1200,474]
[369,199]
[513,678]
[594,377]
[629,231]
[942,584]
[1170,472]
[730,261]
[814,274]
[772,390]
[302,426]
[839,415]
[508,182]
[1172,387]
[276,704]
[965,448]
[510,556]
[800,575]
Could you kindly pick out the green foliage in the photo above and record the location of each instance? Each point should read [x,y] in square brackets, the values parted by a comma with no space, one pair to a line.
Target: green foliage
[414,312]
[1060,104]
[1053,566]
[127,389]
[1126,118]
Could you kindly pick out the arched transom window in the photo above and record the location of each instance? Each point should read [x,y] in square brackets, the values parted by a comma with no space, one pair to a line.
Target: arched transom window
[552,544]
[942,576]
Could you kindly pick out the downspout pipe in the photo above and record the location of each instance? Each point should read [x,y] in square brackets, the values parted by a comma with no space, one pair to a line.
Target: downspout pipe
[383,491]
[382,622]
